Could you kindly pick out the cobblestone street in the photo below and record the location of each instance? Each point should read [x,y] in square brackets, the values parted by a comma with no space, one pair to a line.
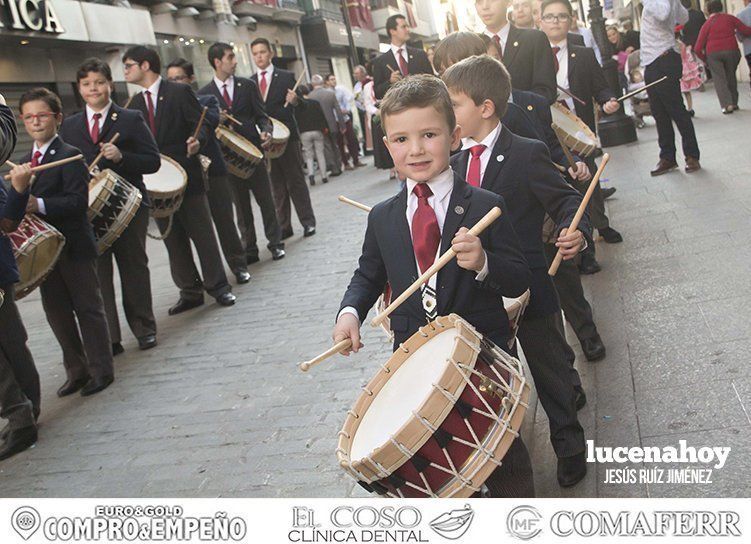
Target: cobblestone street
[220,408]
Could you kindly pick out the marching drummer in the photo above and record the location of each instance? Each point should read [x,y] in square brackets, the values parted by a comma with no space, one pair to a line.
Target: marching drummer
[432,213]
[134,154]
[71,296]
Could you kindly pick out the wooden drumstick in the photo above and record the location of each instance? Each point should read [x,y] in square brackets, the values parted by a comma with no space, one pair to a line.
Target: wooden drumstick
[354,203]
[229,117]
[572,95]
[297,84]
[200,122]
[333,350]
[637,91]
[101,153]
[130,99]
[476,230]
[53,164]
[569,156]
[31,180]
[580,212]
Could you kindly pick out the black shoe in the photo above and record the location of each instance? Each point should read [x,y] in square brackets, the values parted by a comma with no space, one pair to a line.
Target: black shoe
[18,441]
[252,259]
[581,398]
[593,348]
[610,235]
[325,180]
[571,470]
[97,384]
[277,254]
[147,342]
[608,192]
[287,234]
[184,305]
[336,174]
[5,432]
[117,349]
[589,264]
[308,231]
[71,386]
[312,180]
[242,276]
[691,113]
[226,299]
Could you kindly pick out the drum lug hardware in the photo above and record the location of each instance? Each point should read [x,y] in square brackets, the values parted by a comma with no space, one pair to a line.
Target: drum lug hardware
[487,386]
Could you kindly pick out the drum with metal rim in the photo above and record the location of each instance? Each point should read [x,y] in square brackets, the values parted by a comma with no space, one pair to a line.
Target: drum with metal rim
[166,187]
[37,246]
[279,139]
[241,156]
[113,202]
[573,132]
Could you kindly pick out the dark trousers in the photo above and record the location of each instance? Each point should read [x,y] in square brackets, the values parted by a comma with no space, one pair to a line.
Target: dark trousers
[596,207]
[129,252]
[15,355]
[260,185]
[348,140]
[288,183]
[748,61]
[192,223]
[71,293]
[551,361]
[363,126]
[14,405]
[723,65]
[667,106]
[514,478]
[575,306]
[220,204]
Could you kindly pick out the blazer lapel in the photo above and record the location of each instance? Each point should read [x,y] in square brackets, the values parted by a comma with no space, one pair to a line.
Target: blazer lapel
[498,158]
[161,102]
[52,150]
[457,209]
[461,164]
[236,94]
[399,218]
[84,126]
[273,84]
[512,46]
[110,120]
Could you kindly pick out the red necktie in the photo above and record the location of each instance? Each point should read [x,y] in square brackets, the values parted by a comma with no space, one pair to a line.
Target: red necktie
[150,106]
[473,172]
[263,85]
[497,40]
[95,128]
[426,235]
[225,95]
[402,63]
[556,49]
[35,158]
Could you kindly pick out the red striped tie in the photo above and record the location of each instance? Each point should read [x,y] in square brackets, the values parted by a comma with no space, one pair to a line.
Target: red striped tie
[95,128]
[150,106]
[225,95]
[426,235]
[403,67]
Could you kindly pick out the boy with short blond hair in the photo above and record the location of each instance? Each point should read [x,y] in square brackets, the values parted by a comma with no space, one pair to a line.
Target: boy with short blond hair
[407,232]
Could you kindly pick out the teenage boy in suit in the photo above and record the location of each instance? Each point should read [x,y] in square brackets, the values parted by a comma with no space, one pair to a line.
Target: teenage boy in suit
[520,170]
[134,154]
[432,213]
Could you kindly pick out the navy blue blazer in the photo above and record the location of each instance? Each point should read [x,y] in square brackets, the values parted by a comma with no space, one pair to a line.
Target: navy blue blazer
[276,96]
[211,148]
[388,255]
[521,172]
[13,206]
[65,191]
[136,143]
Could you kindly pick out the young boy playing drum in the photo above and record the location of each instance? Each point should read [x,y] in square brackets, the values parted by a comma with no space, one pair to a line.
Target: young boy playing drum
[407,232]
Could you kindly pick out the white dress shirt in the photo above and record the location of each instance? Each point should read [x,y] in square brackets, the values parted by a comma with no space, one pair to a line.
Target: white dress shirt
[561,78]
[154,90]
[269,70]
[589,41]
[395,50]
[230,81]
[90,115]
[43,150]
[658,22]
[489,143]
[502,34]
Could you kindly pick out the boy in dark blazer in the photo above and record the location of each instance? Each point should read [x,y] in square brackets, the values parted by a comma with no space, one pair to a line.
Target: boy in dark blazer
[406,232]
[172,112]
[240,97]
[71,296]
[520,170]
[134,154]
[287,177]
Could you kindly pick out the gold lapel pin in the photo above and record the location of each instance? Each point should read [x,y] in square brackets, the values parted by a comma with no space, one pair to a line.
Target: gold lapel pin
[516,44]
[500,158]
[114,116]
[573,55]
[459,210]
[530,108]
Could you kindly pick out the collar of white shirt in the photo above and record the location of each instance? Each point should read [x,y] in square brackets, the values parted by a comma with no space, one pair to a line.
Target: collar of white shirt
[441,185]
[488,141]
[395,50]
[104,111]
[502,34]
[269,72]
[154,89]
[44,148]
[230,81]
[563,44]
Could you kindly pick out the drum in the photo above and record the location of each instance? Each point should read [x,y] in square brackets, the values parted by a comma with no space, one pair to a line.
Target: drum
[113,202]
[279,139]
[166,187]
[573,132]
[438,417]
[240,154]
[37,246]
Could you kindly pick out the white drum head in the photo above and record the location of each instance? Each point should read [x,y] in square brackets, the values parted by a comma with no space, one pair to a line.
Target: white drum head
[403,393]
[281,132]
[571,127]
[169,178]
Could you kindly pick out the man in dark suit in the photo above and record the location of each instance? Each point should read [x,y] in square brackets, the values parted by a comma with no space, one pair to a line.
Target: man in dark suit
[287,176]
[520,170]
[173,112]
[525,52]
[135,153]
[219,191]
[71,296]
[240,97]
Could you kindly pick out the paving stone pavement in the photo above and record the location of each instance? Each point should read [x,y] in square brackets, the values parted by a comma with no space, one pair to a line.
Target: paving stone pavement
[219,408]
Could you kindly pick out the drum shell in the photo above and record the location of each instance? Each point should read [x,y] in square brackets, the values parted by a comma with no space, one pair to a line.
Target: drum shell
[113,202]
[279,139]
[567,125]
[165,201]
[37,246]
[240,155]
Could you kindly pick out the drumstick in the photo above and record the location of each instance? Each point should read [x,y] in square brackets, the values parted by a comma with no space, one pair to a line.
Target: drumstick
[569,156]
[579,100]
[333,350]
[476,230]
[228,116]
[130,99]
[200,122]
[580,212]
[32,179]
[297,84]
[559,167]
[53,164]
[354,203]
[101,153]
[637,91]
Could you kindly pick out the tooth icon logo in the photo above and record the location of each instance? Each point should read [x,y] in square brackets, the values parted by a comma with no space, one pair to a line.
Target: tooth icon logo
[452,525]
[25,521]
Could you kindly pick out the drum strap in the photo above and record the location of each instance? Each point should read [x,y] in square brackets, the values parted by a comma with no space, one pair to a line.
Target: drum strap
[166,232]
